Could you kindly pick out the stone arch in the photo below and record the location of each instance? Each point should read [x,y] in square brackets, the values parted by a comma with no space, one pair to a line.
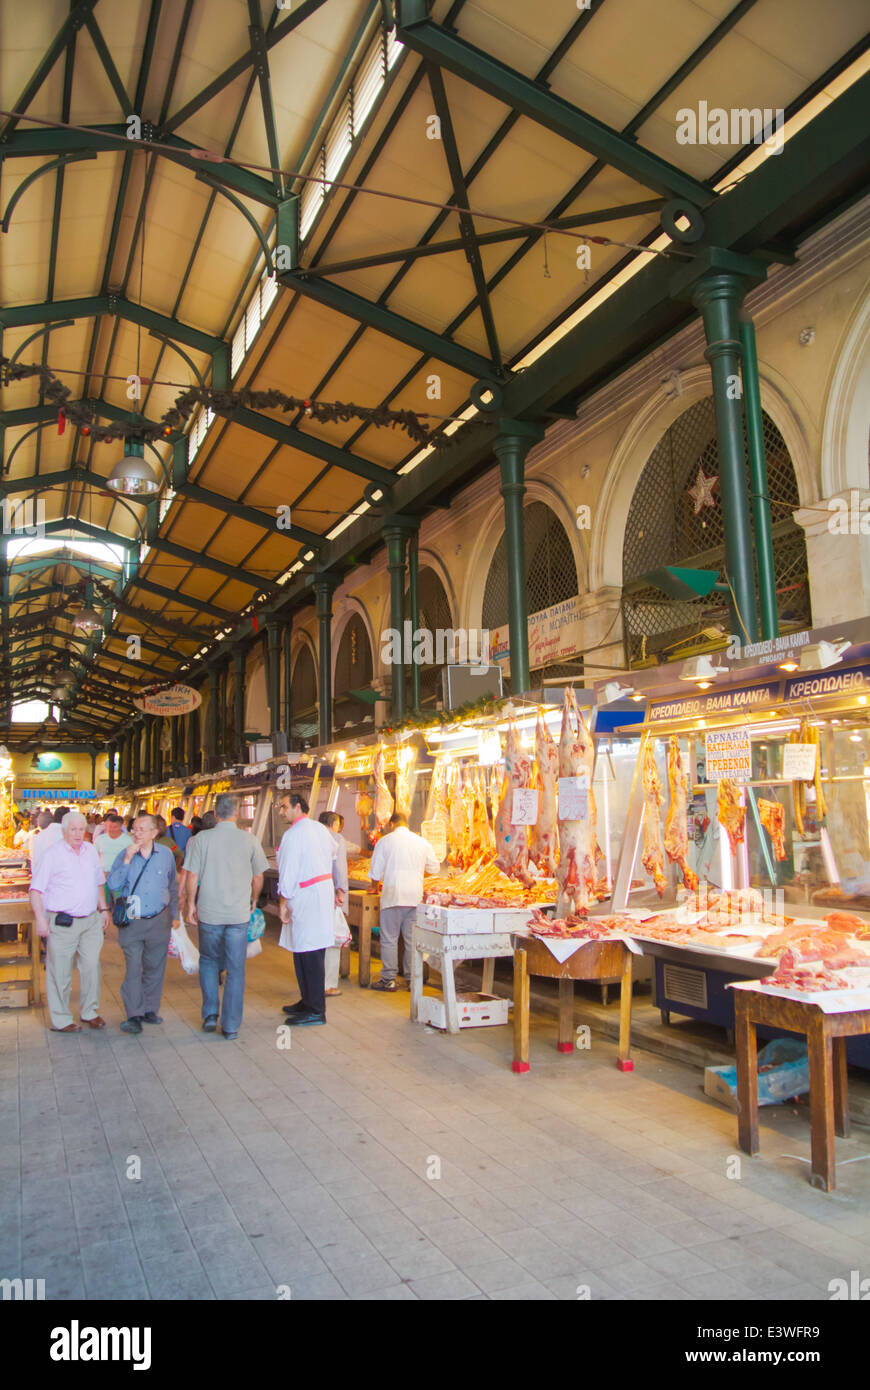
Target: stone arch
[846,425]
[256,701]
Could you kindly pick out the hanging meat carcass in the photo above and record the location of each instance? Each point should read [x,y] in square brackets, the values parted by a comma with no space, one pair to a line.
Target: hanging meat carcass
[772,817]
[484,838]
[512,845]
[383,798]
[676,824]
[405,758]
[544,836]
[652,857]
[577,838]
[731,815]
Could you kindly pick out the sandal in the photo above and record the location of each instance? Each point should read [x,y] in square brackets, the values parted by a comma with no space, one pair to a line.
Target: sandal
[332,993]
[386,986]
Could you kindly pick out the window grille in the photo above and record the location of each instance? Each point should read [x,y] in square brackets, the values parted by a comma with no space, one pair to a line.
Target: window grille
[303,693]
[433,612]
[353,671]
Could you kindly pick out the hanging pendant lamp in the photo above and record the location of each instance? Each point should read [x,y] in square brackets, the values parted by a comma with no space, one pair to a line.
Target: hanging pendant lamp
[132,473]
[88,619]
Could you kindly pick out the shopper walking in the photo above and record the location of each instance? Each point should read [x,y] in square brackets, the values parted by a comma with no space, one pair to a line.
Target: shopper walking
[399,861]
[178,831]
[49,834]
[163,838]
[308,877]
[332,959]
[113,841]
[68,897]
[145,877]
[227,865]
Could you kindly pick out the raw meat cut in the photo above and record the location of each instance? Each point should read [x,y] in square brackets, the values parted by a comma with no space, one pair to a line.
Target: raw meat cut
[405,758]
[790,975]
[731,814]
[383,797]
[577,838]
[544,836]
[676,825]
[652,857]
[772,816]
[512,845]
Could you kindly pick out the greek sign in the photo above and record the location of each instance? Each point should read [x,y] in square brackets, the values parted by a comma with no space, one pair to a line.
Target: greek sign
[178,699]
[729,754]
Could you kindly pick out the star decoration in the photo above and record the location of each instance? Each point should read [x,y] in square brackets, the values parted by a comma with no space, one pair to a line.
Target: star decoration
[702,493]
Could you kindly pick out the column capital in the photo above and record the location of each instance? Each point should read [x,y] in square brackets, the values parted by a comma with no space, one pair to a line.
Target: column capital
[513,432]
[714,273]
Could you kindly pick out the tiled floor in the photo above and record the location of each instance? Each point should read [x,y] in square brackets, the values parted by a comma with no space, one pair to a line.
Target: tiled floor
[375,1159]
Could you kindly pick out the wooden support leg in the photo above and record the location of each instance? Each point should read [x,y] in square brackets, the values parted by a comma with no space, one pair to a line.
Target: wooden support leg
[842,1124]
[521,1012]
[821,1105]
[566,1016]
[623,1052]
[747,1075]
[35,986]
[487,976]
[365,952]
[344,962]
[416,982]
[448,989]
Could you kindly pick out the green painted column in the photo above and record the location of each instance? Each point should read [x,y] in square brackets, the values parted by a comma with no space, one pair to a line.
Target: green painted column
[239,704]
[136,769]
[212,718]
[193,754]
[718,295]
[414,615]
[273,673]
[324,587]
[759,496]
[515,439]
[288,693]
[174,745]
[110,768]
[146,750]
[396,535]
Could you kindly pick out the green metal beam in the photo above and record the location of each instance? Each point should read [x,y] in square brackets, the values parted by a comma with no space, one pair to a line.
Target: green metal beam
[178,596]
[440,248]
[21,315]
[77,16]
[54,164]
[249,514]
[199,561]
[108,63]
[388,322]
[438,45]
[261,68]
[311,444]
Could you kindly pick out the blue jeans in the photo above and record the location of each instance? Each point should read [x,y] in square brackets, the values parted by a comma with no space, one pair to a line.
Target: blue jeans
[223,948]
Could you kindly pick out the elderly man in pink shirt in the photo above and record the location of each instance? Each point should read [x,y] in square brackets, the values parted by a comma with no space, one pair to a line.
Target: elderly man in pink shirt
[68,896]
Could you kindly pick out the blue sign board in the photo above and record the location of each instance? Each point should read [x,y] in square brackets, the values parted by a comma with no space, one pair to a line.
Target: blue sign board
[713,702]
[815,685]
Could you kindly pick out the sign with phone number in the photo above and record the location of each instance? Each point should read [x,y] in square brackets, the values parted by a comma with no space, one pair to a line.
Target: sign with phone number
[728,755]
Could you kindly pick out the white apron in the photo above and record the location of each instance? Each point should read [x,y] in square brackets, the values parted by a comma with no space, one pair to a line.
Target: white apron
[306,856]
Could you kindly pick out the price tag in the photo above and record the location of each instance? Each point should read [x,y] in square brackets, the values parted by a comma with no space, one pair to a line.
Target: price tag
[435,833]
[574,797]
[799,761]
[524,807]
[729,755]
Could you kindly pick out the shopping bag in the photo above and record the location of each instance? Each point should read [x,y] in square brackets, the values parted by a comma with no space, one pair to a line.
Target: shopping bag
[342,930]
[181,946]
[254,948]
[256,925]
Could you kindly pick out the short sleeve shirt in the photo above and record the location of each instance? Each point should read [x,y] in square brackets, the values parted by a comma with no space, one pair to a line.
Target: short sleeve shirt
[225,860]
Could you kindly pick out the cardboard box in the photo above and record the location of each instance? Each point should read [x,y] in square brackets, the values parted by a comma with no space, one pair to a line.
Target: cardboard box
[455,921]
[14,994]
[474,1010]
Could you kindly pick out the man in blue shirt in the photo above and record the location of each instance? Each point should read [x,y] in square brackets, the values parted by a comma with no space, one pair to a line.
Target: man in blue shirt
[178,831]
[145,875]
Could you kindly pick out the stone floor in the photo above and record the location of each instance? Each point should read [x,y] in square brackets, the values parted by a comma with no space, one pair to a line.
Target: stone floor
[379,1160]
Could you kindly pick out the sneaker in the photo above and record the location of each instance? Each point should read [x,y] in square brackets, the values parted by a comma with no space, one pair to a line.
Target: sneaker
[131,1025]
[385,986]
[209,1025]
[151,1017]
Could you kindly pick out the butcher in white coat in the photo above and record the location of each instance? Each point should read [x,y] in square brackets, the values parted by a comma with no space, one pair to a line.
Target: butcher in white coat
[308,877]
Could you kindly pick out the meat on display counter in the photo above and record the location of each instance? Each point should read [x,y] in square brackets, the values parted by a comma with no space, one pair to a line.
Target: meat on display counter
[804,842]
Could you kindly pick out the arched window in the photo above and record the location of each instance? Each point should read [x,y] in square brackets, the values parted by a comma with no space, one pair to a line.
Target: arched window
[433,612]
[551,577]
[353,672]
[303,695]
[664,528]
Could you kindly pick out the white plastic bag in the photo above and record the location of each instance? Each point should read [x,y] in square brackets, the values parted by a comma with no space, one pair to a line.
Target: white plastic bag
[255,948]
[181,946]
[342,930]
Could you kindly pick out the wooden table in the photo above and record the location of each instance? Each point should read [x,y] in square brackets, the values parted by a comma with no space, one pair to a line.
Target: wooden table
[826,1043]
[21,913]
[446,950]
[596,960]
[362,911]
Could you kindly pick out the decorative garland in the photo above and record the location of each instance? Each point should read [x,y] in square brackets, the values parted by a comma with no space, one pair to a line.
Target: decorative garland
[85,417]
[133,610]
[472,709]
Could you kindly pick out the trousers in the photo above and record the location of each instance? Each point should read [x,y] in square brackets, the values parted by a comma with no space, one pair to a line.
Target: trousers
[396,922]
[79,945]
[331,966]
[310,976]
[223,947]
[146,946]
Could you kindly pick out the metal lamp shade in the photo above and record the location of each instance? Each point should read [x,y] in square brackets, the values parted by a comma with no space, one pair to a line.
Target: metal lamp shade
[132,474]
[88,620]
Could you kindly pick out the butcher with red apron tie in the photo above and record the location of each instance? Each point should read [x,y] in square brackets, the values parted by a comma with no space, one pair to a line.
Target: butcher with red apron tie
[308,877]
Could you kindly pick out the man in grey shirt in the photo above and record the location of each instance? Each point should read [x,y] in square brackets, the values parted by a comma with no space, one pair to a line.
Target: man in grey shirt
[227,864]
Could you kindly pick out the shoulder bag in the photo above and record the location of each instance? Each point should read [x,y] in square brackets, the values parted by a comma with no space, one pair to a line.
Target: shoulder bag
[120,915]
